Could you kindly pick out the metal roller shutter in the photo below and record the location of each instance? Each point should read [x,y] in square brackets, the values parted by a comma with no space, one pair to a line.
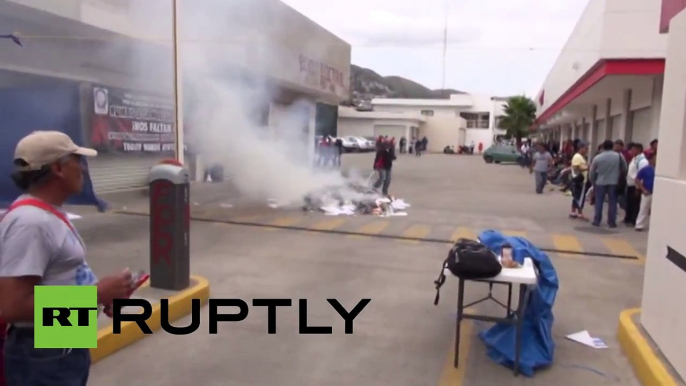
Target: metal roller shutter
[616,128]
[115,173]
[586,128]
[640,131]
[602,131]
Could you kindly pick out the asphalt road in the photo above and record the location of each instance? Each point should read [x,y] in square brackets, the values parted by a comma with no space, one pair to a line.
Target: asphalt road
[400,338]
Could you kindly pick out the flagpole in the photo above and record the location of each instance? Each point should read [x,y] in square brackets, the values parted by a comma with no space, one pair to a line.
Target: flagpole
[178,87]
[445,41]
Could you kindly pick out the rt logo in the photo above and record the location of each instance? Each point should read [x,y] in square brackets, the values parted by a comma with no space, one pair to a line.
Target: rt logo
[66,317]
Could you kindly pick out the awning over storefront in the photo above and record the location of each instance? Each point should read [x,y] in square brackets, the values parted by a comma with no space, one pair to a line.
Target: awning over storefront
[605,73]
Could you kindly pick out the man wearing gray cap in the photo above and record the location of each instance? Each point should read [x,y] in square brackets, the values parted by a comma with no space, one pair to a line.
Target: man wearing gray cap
[40,246]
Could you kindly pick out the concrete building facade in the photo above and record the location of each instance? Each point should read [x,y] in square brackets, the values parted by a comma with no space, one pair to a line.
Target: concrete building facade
[375,123]
[607,82]
[665,271]
[117,51]
[446,122]
[622,75]
[440,131]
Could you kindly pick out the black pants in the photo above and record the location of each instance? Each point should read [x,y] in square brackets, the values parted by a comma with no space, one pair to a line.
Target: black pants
[579,190]
[26,365]
[633,204]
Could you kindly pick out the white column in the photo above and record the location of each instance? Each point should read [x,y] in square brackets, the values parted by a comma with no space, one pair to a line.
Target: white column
[178,87]
[491,118]
[656,107]
[311,133]
[608,127]
[593,132]
[562,136]
[624,126]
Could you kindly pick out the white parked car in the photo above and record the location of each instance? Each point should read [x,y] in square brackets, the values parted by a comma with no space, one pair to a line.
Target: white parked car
[350,144]
[364,144]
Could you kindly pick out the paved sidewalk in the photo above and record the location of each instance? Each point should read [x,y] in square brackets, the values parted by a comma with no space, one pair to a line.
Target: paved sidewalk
[401,338]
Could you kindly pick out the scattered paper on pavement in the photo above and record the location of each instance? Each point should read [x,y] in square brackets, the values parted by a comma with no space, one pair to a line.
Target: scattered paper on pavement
[395,214]
[333,210]
[584,337]
[400,204]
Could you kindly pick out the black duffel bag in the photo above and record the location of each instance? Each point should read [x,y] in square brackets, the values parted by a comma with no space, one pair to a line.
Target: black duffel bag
[469,260]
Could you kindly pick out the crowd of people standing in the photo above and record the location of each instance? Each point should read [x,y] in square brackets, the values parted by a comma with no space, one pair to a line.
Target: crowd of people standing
[415,145]
[328,152]
[620,175]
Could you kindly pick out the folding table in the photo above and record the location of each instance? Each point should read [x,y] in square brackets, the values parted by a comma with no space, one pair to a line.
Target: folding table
[525,277]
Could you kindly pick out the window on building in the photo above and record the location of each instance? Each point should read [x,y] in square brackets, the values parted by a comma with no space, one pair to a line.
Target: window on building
[428,113]
[499,122]
[476,120]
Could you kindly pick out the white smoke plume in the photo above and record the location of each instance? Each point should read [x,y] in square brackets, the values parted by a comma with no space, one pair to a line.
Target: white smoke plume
[222,100]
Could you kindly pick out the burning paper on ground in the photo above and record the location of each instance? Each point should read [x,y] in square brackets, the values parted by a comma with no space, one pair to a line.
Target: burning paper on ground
[353,199]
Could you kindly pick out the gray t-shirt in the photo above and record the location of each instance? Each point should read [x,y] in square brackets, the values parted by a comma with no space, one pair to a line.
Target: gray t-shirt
[607,167]
[541,161]
[34,242]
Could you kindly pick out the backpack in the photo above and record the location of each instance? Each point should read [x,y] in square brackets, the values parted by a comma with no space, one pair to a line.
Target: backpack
[470,260]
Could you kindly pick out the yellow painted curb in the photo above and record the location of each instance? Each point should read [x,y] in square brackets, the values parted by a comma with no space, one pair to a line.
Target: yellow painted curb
[647,365]
[179,306]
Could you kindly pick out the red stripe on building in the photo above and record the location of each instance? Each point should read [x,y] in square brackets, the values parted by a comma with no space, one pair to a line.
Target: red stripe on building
[670,8]
[600,70]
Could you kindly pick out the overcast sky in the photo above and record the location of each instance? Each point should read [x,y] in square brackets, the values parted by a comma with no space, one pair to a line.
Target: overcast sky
[499,47]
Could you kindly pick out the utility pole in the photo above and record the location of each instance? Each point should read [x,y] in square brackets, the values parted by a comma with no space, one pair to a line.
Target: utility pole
[178,86]
[445,42]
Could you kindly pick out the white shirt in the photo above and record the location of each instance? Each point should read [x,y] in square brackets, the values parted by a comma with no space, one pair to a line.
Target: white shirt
[636,164]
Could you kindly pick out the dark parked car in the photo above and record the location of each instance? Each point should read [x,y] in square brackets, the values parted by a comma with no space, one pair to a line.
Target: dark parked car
[501,153]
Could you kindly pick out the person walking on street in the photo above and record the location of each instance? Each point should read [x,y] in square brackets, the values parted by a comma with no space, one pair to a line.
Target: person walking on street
[40,246]
[606,170]
[579,182]
[645,181]
[541,162]
[403,145]
[418,148]
[339,152]
[383,164]
[633,195]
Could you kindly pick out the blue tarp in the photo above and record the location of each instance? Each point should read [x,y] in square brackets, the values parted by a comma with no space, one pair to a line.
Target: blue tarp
[24,110]
[538,346]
